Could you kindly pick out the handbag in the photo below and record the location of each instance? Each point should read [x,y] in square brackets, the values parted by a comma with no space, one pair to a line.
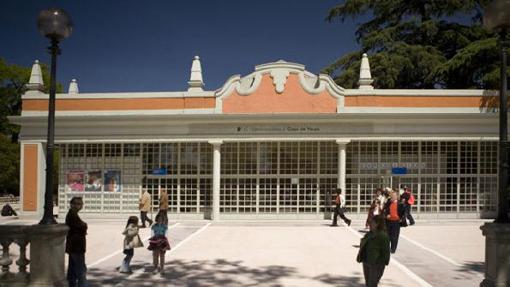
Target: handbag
[137,242]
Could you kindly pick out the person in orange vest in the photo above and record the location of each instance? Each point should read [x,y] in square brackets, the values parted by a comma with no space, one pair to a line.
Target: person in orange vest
[393,211]
[339,208]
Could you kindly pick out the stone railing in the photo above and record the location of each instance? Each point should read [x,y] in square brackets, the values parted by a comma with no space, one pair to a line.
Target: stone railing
[46,264]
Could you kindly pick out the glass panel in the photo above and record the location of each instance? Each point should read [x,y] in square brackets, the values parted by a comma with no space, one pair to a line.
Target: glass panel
[268,195]
[288,196]
[307,195]
[247,195]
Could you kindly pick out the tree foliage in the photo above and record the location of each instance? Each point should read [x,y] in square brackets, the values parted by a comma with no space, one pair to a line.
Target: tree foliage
[12,86]
[419,44]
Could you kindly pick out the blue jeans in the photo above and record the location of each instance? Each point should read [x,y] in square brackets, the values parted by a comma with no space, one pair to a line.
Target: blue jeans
[127,260]
[77,270]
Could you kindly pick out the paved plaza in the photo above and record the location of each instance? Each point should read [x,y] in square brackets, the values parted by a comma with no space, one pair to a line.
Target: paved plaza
[290,253]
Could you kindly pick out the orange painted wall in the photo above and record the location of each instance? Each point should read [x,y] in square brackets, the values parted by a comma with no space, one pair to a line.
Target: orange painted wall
[294,99]
[30,174]
[121,104]
[415,102]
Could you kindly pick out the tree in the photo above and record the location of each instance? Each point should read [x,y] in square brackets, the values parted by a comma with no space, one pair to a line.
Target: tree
[419,44]
[12,85]
[9,165]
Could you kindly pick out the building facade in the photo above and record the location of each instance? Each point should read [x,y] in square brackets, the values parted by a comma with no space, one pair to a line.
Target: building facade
[271,144]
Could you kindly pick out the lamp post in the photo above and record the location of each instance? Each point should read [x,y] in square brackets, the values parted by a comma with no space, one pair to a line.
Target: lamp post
[497,18]
[56,25]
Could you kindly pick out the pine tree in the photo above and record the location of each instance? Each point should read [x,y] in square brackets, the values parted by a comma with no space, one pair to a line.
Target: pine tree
[419,44]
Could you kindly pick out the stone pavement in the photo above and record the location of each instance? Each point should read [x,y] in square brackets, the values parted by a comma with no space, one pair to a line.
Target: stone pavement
[292,253]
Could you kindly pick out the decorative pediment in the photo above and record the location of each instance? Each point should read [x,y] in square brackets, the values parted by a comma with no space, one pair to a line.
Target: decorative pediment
[280,78]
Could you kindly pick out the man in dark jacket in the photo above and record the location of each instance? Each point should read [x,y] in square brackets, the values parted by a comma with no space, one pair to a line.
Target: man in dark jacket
[76,245]
[407,206]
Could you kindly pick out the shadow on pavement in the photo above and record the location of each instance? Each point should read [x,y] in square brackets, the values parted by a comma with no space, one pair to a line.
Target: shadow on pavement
[217,272]
[472,267]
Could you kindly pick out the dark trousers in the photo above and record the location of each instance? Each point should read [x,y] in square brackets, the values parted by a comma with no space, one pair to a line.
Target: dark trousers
[407,214]
[372,273]
[340,212]
[125,266]
[143,217]
[77,270]
[393,233]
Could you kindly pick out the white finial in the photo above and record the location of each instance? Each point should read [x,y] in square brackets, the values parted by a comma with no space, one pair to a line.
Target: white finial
[365,77]
[73,87]
[196,82]
[36,79]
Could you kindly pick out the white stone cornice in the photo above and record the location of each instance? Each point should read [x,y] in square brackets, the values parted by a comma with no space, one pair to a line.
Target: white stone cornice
[342,141]
[421,92]
[215,142]
[37,95]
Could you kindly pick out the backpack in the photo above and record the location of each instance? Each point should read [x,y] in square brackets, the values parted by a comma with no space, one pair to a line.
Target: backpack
[411,199]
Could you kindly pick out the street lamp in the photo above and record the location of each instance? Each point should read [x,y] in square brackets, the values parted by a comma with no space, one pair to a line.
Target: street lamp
[497,19]
[56,25]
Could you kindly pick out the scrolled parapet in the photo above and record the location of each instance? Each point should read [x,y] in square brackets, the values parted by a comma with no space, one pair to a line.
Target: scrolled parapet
[279,73]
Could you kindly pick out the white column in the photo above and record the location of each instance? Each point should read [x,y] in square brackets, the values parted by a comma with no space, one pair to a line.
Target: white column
[342,145]
[216,178]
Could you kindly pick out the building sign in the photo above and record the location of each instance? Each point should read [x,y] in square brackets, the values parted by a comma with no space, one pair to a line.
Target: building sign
[389,165]
[160,171]
[278,129]
[398,170]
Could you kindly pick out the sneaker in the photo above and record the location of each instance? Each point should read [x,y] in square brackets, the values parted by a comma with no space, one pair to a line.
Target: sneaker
[333,225]
[155,271]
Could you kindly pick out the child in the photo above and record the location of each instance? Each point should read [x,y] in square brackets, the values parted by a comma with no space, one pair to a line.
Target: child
[374,210]
[131,240]
[158,243]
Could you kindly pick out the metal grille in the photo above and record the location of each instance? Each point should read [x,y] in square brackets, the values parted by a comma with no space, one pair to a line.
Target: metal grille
[95,163]
[445,176]
[247,195]
[429,195]
[308,195]
[268,195]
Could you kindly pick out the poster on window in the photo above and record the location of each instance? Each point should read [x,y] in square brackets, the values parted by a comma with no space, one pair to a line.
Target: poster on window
[75,179]
[93,180]
[112,180]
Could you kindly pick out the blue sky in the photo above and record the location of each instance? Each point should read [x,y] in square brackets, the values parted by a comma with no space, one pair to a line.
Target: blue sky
[122,46]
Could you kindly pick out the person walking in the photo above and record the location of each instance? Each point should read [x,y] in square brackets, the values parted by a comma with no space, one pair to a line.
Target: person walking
[145,206]
[374,210]
[339,208]
[131,241]
[374,252]
[407,200]
[163,204]
[76,245]
[393,211]
[158,243]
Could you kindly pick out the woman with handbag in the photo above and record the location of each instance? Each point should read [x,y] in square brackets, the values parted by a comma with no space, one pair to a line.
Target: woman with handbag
[374,252]
[131,241]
